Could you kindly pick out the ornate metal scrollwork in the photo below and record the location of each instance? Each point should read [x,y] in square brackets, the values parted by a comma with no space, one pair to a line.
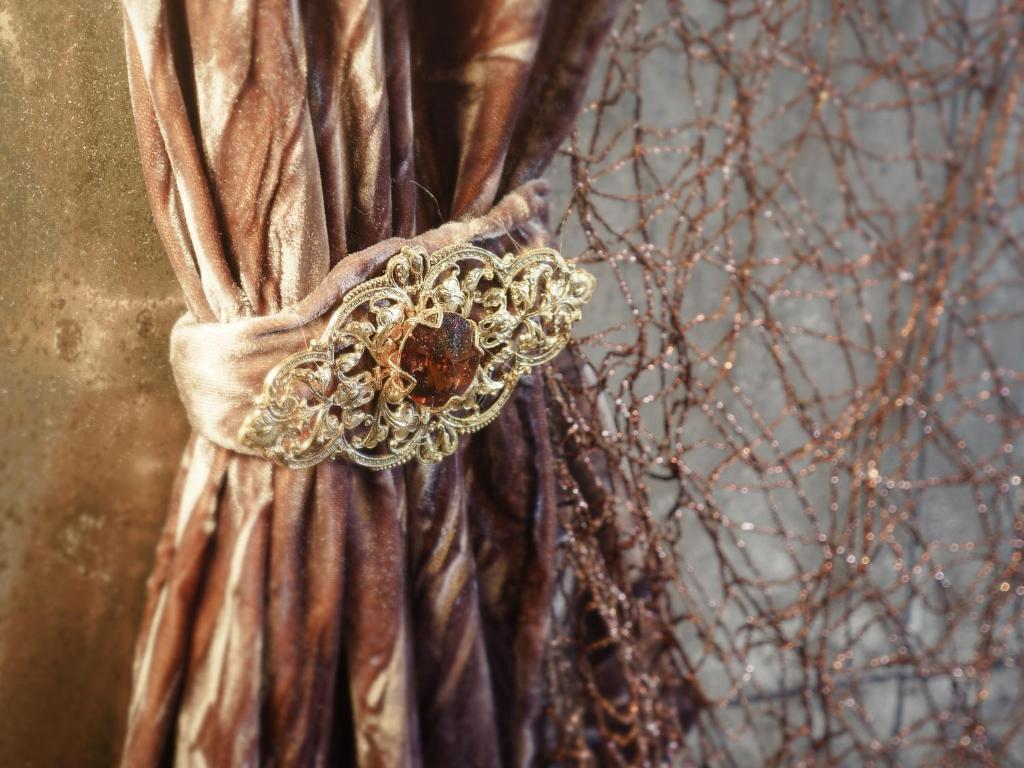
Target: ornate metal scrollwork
[478,322]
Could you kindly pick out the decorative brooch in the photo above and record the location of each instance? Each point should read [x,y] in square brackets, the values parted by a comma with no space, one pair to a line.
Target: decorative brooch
[410,360]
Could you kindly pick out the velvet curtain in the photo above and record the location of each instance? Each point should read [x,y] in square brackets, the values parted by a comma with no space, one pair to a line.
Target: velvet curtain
[338,615]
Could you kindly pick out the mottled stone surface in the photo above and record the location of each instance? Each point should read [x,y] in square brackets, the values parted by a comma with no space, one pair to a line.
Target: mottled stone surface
[443,360]
[91,425]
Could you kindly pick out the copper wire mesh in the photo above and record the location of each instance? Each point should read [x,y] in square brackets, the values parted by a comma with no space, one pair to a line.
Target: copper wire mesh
[792,512]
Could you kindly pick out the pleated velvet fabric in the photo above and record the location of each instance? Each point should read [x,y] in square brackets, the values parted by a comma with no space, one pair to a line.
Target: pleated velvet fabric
[337,615]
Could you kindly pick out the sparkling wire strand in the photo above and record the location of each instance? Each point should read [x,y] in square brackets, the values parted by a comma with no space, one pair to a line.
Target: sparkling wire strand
[789,450]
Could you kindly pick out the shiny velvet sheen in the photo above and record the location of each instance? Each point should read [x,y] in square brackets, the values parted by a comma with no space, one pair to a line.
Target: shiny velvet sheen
[339,615]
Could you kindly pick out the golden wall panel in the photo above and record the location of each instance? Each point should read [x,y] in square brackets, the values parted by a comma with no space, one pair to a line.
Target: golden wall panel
[91,426]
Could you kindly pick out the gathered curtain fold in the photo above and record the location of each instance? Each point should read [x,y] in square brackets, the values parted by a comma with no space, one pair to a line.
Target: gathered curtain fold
[339,615]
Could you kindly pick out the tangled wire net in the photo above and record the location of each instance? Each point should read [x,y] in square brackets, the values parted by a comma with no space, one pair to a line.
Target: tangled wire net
[790,445]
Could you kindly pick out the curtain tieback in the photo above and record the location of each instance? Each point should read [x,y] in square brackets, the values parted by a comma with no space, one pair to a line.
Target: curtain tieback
[403,347]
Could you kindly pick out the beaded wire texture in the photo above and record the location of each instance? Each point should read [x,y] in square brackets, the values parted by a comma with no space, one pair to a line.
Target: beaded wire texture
[790,443]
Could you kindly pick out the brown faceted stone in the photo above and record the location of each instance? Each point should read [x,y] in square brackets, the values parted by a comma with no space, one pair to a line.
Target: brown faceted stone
[442,360]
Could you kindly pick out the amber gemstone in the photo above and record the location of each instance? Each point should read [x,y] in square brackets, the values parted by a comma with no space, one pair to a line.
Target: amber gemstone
[443,360]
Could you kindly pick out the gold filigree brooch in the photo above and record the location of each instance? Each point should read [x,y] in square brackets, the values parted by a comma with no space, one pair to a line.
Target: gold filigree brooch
[410,360]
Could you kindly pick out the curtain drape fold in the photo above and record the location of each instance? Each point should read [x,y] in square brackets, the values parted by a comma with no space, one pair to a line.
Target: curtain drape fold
[339,615]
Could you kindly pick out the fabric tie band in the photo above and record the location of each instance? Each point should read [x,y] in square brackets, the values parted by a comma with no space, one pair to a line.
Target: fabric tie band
[220,368]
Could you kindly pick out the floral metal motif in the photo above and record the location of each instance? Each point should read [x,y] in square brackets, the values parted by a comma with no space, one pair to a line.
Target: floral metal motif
[347,395]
